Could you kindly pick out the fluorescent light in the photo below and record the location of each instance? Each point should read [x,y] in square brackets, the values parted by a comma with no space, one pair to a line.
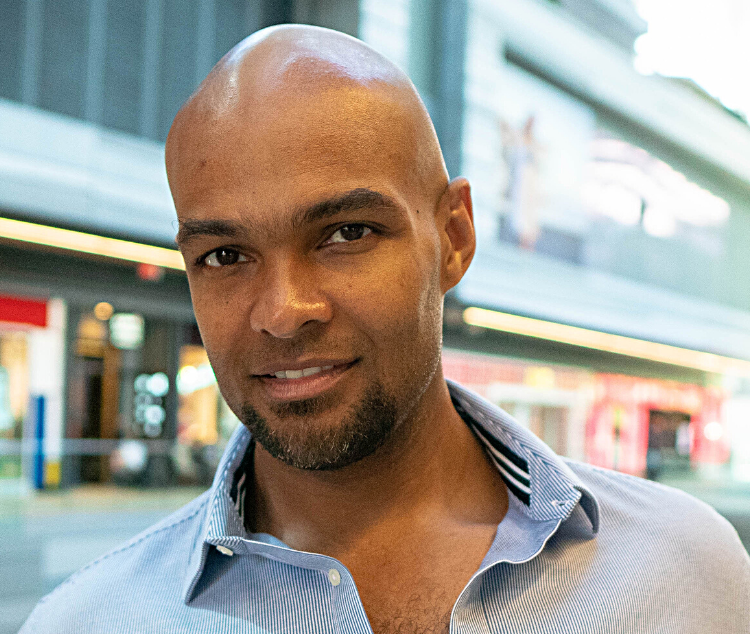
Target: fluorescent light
[89,243]
[605,342]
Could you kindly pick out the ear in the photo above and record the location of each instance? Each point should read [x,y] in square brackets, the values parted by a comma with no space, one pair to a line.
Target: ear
[457,237]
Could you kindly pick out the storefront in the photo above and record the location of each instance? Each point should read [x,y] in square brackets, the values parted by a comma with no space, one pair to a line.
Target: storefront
[661,429]
[143,406]
[32,334]
[106,383]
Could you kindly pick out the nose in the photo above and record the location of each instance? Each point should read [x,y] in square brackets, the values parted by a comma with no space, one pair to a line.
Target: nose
[288,300]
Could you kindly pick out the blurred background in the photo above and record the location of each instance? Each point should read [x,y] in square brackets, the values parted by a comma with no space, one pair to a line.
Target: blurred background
[607,309]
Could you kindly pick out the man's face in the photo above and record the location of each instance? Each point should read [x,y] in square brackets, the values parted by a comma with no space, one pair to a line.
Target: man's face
[310,245]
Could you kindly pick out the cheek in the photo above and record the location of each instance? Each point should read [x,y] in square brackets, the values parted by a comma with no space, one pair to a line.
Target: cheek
[400,310]
[212,314]
[219,320]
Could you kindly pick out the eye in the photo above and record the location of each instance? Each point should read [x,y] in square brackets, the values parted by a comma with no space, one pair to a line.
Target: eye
[223,257]
[349,233]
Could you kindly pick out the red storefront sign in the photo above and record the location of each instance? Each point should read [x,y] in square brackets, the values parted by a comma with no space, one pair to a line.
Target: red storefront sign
[617,433]
[29,312]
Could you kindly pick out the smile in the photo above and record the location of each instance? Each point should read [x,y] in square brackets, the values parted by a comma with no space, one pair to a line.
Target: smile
[298,374]
[294,385]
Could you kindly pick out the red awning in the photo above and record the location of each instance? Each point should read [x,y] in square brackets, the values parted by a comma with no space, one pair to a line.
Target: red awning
[16,310]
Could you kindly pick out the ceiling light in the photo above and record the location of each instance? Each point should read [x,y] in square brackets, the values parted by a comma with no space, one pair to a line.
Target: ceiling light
[606,342]
[89,243]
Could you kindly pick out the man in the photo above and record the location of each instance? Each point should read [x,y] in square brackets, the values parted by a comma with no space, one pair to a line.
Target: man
[364,493]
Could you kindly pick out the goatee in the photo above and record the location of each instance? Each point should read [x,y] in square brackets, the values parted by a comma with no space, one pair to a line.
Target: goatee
[363,430]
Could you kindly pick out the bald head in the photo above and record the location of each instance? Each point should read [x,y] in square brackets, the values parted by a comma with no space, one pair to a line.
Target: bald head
[307,89]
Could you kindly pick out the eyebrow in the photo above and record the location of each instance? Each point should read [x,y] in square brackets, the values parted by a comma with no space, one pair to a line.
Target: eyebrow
[221,228]
[353,200]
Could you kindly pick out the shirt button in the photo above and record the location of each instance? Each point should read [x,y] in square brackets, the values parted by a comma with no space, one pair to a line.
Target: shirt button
[225,551]
[334,577]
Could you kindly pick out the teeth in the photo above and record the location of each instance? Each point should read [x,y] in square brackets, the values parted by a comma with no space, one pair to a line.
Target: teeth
[298,374]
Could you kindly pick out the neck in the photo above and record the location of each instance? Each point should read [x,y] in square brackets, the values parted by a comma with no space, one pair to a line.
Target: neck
[431,472]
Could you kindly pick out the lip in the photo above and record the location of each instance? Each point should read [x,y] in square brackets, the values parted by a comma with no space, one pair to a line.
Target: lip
[307,386]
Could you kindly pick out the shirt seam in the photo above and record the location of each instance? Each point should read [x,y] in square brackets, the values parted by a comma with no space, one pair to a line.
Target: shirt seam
[74,577]
[623,476]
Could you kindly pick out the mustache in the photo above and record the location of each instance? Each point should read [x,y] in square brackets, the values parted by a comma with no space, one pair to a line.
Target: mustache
[310,346]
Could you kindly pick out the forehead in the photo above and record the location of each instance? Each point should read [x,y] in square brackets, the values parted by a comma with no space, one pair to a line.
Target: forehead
[292,149]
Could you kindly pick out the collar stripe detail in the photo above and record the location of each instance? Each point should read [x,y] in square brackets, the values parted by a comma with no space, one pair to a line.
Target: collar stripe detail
[517,463]
[520,487]
[513,469]
[523,494]
[517,474]
[523,486]
[553,490]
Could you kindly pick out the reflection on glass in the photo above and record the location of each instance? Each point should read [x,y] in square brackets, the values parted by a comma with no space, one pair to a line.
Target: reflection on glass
[572,190]
[197,415]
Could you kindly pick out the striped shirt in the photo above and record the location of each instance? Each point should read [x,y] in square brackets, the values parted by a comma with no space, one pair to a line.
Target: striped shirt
[581,549]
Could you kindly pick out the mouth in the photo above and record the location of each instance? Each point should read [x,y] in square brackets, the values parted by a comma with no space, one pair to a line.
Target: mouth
[303,383]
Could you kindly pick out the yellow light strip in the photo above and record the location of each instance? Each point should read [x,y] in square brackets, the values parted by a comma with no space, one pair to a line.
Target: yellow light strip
[89,243]
[605,342]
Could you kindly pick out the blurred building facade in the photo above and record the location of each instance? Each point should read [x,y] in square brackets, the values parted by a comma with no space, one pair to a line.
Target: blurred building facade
[615,203]
[605,200]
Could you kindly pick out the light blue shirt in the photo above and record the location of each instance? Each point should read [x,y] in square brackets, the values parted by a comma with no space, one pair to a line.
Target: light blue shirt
[581,549]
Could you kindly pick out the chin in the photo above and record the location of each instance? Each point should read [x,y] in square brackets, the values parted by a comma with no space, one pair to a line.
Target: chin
[299,436]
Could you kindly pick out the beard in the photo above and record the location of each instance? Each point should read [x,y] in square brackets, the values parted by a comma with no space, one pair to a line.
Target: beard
[367,425]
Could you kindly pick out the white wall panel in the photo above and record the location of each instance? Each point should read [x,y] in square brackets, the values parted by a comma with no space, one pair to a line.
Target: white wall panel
[384,25]
[63,171]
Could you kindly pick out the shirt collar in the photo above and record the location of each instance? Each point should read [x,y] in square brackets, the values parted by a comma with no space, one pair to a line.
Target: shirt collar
[545,489]
[221,522]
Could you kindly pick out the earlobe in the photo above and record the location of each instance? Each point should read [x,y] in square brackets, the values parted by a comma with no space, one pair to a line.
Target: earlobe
[459,239]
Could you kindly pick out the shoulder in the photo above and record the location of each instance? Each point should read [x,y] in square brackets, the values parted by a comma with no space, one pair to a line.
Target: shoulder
[123,578]
[629,499]
[665,554]
[668,529]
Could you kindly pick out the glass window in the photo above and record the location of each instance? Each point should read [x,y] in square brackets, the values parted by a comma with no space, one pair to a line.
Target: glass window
[197,418]
[64,56]
[11,49]
[424,53]
[231,25]
[144,408]
[204,421]
[177,76]
[123,65]
[570,189]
